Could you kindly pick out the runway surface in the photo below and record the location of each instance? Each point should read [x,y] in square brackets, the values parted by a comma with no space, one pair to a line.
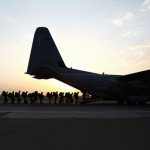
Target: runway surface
[74,127]
[74,111]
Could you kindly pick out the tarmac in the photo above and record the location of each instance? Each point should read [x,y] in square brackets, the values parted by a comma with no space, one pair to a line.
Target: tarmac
[74,127]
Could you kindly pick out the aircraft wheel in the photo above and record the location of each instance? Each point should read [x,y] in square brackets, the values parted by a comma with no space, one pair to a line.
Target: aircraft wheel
[131,103]
[141,103]
[120,101]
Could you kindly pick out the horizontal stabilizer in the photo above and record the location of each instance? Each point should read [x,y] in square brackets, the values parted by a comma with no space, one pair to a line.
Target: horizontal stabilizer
[43,72]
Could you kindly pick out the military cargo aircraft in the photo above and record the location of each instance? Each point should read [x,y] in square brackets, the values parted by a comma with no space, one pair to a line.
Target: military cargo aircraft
[46,62]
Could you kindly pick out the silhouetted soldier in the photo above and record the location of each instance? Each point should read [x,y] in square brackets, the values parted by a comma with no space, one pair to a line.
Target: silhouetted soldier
[35,97]
[5,95]
[12,97]
[54,97]
[70,98]
[55,94]
[67,97]
[61,95]
[76,97]
[17,95]
[24,95]
[41,96]
[49,95]
[31,97]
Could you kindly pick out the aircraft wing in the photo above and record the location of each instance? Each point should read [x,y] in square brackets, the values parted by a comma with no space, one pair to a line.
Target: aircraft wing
[143,75]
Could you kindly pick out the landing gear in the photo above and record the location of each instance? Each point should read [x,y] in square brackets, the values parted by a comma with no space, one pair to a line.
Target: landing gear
[120,101]
[130,102]
[141,103]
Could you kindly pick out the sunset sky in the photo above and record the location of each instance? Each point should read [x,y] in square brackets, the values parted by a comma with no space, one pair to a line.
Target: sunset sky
[111,36]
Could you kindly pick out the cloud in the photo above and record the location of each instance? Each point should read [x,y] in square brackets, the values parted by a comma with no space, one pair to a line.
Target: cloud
[145,6]
[120,21]
[127,16]
[132,33]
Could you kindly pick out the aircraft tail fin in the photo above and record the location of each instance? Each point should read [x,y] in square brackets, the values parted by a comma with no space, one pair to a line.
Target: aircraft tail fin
[45,58]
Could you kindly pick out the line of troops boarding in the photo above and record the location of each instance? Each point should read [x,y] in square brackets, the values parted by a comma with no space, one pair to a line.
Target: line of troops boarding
[35,97]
